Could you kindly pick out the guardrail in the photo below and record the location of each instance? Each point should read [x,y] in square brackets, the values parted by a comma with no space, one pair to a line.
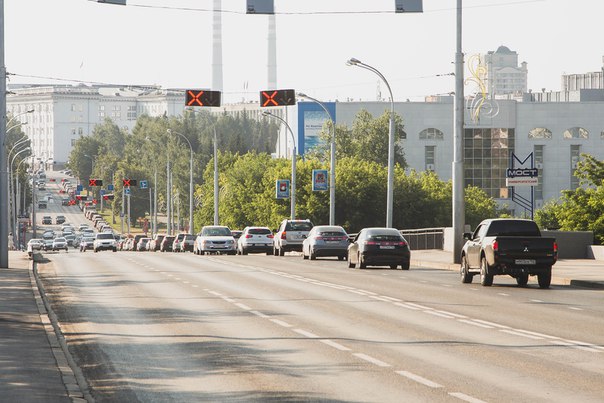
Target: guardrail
[424,238]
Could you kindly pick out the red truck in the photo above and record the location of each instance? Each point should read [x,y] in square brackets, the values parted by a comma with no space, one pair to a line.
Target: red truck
[512,247]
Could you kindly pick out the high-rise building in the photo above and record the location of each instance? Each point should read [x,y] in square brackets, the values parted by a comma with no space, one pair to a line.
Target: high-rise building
[504,76]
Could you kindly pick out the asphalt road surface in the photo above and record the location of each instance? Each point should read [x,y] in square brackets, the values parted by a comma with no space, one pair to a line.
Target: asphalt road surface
[157,327]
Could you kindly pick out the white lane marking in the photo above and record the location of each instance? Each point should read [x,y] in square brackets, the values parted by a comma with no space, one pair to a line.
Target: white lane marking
[545,336]
[491,324]
[574,308]
[402,305]
[215,293]
[391,298]
[243,306]
[474,323]
[446,285]
[419,379]
[280,322]
[227,299]
[437,313]
[503,294]
[335,345]
[419,306]
[372,360]
[580,346]
[258,313]
[186,282]
[356,292]
[528,336]
[379,298]
[194,286]
[306,333]
[464,397]
[535,300]
[452,314]
[177,278]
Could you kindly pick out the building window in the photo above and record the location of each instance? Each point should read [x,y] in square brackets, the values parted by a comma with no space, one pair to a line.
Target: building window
[404,134]
[540,133]
[429,158]
[73,132]
[73,107]
[73,142]
[431,134]
[538,160]
[575,155]
[486,158]
[576,133]
[101,107]
[101,115]
[80,131]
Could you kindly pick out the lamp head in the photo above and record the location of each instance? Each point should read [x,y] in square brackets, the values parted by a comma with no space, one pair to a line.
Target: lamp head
[302,95]
[353,62]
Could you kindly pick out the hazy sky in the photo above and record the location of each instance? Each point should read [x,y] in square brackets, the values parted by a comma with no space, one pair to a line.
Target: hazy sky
[169,43]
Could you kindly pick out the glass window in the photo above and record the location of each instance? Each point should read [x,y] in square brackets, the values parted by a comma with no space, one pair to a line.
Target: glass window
[576,133]
[431,134]
[540,133]
[575,155]
[429,158]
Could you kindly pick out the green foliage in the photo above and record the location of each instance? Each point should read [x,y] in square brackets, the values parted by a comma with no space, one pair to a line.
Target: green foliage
[590,171]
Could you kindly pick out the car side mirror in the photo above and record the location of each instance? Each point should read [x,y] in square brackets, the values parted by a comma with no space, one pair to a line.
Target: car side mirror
[467,236]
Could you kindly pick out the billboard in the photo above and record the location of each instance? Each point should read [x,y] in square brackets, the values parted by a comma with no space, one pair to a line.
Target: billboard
[311,118]
[319,180]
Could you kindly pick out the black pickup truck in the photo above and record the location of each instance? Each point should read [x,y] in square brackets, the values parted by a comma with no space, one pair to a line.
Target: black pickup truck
[508,246]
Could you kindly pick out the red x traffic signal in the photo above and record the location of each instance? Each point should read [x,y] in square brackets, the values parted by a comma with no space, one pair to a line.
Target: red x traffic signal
[95,182]
[202,98]
[129,182]
[277,98]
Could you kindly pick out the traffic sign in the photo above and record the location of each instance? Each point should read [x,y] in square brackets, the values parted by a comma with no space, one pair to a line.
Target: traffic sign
[143,184]
[202,98]
[95,182]
[282,189]
[277,97]
[129,182]
[127,191]
[79,188]
[110,187]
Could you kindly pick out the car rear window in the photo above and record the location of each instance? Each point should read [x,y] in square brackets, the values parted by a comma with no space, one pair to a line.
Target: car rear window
[332,233]
[259,231]
[513,228]
[389,238]
[105,235]
[298,226]
[190,237]
[216,232]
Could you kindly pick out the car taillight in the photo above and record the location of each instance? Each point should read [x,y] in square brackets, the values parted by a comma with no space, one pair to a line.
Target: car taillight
[319,238]
[248,236]
[555,247]
[495,245]
[401,243]
[270,236]
[283,235]
[371,243]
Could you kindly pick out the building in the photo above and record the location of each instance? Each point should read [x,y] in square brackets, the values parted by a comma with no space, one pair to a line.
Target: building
[504,76]
[63,114]
[576,82]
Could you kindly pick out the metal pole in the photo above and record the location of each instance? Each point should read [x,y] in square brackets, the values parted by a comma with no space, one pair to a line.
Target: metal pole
[168,196]
[123,207]
[332,161]
[216,195]
[3,159]
[390,186]
[191,229]
[293,184]
[128,222]
[458,177]
[155,205]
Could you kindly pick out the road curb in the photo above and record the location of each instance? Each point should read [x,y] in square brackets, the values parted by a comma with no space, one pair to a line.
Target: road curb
[73,379]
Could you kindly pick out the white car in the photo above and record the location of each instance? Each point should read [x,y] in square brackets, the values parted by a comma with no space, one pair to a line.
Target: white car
[290,235]
[255,239]
[33,245]
[104,241]
[59,243]
[214,239]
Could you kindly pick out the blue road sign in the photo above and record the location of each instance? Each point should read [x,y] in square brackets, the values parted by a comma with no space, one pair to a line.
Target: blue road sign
[79,188]
[143,184]
[102,191]
[127,191]
[110,187]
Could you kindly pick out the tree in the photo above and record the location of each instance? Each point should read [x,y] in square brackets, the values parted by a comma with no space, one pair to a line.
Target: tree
[590,171]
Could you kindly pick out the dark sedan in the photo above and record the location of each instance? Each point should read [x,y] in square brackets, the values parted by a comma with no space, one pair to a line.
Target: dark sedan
[379,247]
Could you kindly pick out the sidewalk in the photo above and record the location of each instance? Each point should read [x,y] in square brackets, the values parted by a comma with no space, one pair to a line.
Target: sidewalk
[34,368]
[576,272]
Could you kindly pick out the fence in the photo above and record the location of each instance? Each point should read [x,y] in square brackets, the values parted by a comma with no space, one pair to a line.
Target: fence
[424,238]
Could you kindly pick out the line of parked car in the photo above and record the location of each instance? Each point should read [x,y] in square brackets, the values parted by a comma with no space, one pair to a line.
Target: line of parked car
[370,247]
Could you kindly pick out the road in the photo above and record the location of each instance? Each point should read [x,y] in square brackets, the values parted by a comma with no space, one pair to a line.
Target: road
[179,327]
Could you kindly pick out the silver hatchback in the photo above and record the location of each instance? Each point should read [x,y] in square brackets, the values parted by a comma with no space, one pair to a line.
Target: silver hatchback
[326,240]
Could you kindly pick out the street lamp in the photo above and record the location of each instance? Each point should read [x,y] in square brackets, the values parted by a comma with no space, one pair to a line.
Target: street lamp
[332,161]
[293,185]
[13,209]
[390,189]
[190,179]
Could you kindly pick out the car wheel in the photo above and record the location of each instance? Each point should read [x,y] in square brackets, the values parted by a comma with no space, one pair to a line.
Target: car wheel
[313,255]
[405,266]
[466,277]
[486,278]
[340,258]
[522,280]
[393,266]
[115,249]
[350,264]
[95,251]
[269,252]
[545,279]
[281,252]
[275,251]
[243,251]
[66,250]
[362,264]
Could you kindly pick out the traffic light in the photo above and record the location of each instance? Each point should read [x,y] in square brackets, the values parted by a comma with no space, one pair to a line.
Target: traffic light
[95,182]
[108,196]
[202,98]
[129,182]
[277,98]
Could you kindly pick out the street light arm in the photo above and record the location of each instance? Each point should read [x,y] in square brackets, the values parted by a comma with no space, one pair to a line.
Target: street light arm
[19,114]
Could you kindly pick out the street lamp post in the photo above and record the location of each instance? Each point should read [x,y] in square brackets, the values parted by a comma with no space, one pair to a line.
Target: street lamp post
[390,188]
[190,179]
[293,185]
[332,161]
[13,213]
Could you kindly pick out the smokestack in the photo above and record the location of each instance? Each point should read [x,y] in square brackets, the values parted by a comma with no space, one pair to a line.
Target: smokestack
[272,52]
[217,47]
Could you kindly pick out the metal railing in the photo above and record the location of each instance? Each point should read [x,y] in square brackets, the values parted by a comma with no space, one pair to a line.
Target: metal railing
[424,238]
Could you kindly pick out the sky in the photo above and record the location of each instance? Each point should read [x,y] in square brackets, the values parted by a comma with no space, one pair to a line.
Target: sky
[169,43]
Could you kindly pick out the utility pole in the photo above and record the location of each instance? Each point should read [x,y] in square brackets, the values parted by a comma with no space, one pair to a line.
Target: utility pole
[3,158]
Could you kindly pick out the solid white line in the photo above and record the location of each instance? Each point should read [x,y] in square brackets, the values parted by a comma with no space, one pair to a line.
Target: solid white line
[258,313]
[586,345]
[535,300]
[307,334]
[243,306]
[474,323]
[391,299]
[574,308]
[503,294]
[372,360]
[418,306]
[280,323]
[452,314]
[528,336]
[419,379]
[437,313]
[545,336]
[379,298]
[402,305]
[335,345]
[464,397]
[227,299]
[492,324]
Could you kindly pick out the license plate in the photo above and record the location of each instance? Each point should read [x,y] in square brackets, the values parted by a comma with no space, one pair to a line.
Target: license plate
[525,261]
[331,242]
[387,247]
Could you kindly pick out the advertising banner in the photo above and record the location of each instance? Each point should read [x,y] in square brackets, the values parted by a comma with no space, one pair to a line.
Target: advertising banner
[282,189]
[319,180]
